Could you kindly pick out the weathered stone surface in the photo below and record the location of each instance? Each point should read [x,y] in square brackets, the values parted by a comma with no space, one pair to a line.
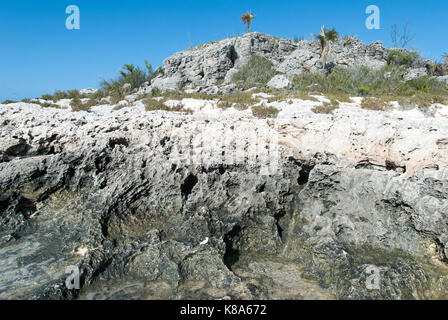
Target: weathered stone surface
[415,73]
[443,79]
[279,82]
[104,192]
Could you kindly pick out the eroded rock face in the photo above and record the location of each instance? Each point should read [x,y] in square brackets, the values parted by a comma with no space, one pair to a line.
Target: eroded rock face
[104,193]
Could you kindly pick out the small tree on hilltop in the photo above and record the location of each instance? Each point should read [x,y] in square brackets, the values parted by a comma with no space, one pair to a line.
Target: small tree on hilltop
[326,38]
[247,18]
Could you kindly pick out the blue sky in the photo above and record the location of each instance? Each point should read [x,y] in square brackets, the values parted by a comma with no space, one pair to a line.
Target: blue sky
[38,54]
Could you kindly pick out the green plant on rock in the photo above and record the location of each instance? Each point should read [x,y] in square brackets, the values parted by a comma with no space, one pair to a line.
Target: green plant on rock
[8,102]
[326,107]
[256,73]
[130,79]
[363,90]
[153,105]
[402,57]
[265,112]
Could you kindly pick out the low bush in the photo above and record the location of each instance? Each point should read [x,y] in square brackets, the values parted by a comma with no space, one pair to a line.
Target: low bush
[377,104]
[362,81]
[8,102]
[326,107]
[130,79]
[256,73]
[153,105]
[239,100]
[264,112]
[402,57]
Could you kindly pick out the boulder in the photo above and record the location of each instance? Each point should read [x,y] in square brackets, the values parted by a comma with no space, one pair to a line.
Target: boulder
[279,82]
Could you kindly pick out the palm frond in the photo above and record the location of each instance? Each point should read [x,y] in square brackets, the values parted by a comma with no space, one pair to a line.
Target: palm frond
[247,17]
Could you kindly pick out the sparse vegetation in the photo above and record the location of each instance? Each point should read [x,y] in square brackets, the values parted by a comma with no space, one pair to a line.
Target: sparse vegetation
[59,95]
[78,105]
[326,107]
[48,105]
[153,105]
[367,82]
[373,103]
[130,79]
[256,73]
[9,102]
[402,57]
[288,95]
[240,100]
[264,112]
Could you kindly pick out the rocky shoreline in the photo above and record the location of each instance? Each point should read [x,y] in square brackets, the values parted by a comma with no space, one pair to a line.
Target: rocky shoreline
[351,190]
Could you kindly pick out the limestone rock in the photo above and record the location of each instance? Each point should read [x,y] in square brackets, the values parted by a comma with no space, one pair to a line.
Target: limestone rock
[326,195]
[279,82]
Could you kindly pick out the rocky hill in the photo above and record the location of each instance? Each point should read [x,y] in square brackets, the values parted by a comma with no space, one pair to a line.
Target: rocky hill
[187,198]
[209,68]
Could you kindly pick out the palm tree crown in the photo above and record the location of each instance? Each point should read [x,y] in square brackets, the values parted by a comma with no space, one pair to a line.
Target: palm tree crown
[247,18]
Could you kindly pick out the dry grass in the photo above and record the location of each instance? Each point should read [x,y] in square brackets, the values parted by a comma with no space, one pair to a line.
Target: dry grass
[154,105]
[326,107]
[340,96]
[240,100]
[265,112]
[287,96]
[377,104]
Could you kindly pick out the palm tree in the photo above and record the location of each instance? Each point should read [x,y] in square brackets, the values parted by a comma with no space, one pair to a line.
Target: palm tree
[446,58]
[247,18]
[326,38]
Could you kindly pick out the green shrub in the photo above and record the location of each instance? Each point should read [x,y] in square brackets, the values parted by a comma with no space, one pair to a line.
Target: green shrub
[402,58]
[364,90]
[256,73]
[363,81]
[47,97]
[8,102]
[377,104]
[49,105]
[130,78]
[78,105]
[265,112]
[326,107]
[239,100]
[153,105]
[156,92]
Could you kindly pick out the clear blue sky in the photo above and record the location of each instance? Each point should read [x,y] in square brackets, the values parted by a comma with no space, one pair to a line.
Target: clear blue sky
[38,54]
